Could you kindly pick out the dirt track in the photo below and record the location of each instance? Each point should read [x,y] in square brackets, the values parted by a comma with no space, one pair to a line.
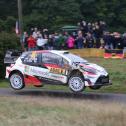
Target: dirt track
[61,94]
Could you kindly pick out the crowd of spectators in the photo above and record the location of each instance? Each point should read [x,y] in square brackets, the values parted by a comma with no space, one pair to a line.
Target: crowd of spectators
[88,35]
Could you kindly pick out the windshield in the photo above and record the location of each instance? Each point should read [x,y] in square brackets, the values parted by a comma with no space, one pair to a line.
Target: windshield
[75,58]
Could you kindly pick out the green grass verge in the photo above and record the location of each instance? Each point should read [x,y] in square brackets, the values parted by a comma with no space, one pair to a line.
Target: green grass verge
[4,83]
[116,69]
[48,111]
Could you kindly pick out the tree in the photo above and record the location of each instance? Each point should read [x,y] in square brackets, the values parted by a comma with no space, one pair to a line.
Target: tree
[53,13]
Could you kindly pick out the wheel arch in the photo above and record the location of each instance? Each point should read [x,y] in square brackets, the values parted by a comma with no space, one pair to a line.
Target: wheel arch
[15,71]
[76,72]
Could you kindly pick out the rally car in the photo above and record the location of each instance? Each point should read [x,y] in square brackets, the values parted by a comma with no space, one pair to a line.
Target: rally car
[55,67]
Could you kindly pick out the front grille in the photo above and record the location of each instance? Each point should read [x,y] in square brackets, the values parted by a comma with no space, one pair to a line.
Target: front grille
[103,80]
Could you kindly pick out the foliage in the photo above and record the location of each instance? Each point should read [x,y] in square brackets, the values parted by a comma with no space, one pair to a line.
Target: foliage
[56,13]
[53,14]
[7,41]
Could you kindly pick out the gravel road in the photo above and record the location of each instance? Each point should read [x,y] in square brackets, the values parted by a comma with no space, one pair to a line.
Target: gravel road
[108,97]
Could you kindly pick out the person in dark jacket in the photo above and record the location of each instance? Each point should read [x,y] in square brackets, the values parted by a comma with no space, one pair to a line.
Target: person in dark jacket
[124,41]
[80,40]
[98,35]
[118,41]
[89,40]
[107,39]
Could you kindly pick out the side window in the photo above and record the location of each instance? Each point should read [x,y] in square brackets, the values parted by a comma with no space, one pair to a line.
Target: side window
[50,58]
[65,63]
[32,58]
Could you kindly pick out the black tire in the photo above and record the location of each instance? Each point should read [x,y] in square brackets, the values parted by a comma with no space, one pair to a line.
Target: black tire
[95,87]
[76,83]
[17,81]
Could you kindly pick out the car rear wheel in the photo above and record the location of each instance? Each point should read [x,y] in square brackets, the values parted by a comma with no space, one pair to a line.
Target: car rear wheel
[17,81]
[76,83]
[95,87]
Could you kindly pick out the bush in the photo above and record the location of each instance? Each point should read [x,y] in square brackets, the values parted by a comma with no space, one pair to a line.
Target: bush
[7,41]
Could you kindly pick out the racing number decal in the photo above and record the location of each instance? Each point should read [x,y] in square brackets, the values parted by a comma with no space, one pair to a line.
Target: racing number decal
[58,71]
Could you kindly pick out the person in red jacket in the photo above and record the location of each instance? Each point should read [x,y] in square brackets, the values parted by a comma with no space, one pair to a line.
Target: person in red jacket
[31,43]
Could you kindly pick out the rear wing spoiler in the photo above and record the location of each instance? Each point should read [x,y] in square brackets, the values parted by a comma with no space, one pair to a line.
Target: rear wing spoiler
[11,56]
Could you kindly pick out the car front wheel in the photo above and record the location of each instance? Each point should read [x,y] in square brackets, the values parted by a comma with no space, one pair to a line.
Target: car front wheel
[76,83]
[17,81]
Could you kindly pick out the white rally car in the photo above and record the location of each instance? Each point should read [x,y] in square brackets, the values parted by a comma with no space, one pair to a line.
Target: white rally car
[55,67]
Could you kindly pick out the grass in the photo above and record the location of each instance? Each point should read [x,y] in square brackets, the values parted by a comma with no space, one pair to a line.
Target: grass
[116,69]
[4,84]
[54,111]
[45,111]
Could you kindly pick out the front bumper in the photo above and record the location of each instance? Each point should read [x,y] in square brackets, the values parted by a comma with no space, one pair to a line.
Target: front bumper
[103,81]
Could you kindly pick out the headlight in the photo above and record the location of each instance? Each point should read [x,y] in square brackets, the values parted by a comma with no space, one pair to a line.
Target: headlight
[93,71]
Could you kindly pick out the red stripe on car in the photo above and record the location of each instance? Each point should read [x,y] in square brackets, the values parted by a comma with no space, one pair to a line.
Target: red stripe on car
[52,65]
[31,80]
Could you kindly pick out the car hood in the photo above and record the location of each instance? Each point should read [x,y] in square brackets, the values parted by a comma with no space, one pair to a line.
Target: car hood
[96,67]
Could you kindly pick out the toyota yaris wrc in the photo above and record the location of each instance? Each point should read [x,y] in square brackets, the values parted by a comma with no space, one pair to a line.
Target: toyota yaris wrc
[55,67]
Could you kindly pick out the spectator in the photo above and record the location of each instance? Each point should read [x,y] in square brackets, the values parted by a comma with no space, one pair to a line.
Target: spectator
[51,42]
[61,42]
[124,41]
[31,43]
[103,26]
[25,38]
[89,40]
[84,28]
[90,35]
[118,41]
[38,35]
[40,43]
[56,38]
[80,40]
[90,30]
[35,33]
[65,39]
[31,31]
[108,41]
[98,35]
[70,42]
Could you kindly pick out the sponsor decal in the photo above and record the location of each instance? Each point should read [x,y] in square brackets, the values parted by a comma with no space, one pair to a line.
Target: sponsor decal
[34,54]
[44,73]
[38,72]
[58,71]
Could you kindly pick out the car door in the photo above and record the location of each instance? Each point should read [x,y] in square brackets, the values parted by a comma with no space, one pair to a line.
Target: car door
[54,63]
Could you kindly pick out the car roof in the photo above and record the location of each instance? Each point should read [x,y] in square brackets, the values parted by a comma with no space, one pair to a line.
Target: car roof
[70,57]
[52,51]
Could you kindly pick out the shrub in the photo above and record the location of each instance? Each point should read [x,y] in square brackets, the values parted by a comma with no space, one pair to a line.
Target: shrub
[7,41]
